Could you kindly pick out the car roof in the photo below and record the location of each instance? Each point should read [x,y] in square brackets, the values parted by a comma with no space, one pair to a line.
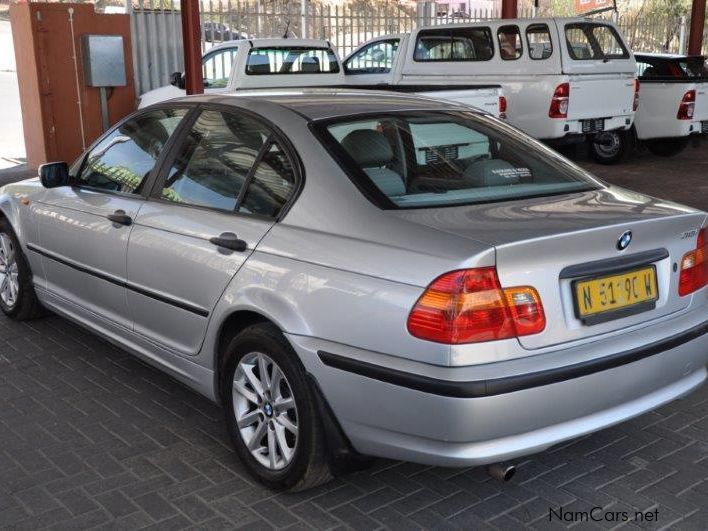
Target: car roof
[269,42]
[322,103]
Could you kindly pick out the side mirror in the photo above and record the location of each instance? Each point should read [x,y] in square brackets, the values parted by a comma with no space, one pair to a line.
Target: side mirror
[54,174]
[177,79]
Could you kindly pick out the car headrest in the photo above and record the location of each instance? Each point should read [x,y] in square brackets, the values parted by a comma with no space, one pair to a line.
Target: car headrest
[258,64]
[310,64]
[369,148]
[491,172]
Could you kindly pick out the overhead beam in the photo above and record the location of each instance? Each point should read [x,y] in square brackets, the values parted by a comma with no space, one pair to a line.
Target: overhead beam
[510,9]
[191,38]
[698,24]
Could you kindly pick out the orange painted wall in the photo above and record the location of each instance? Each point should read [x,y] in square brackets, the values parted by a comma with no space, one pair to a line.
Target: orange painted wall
[47,78]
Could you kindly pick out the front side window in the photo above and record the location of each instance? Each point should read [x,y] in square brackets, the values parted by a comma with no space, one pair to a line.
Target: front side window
[510,47]
[436,159]
[123,160]
[216,67]
[454,44]
[590,41]
[538,40]
[230,162]
[291,60]
[376,58]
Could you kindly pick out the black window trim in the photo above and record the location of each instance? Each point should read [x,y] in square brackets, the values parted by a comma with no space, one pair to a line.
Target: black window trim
[276,136]
[588,24]
[345,63]
[78,165]
[315,48]
[451,29]
[550,40]
[521,41]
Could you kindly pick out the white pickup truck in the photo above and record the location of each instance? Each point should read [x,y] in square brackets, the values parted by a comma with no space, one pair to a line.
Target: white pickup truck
[564,79]
[674,101]
[277,63]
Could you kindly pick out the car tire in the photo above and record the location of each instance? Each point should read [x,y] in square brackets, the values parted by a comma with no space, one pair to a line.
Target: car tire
[17,297]
[667,147]
[260,421]
[611,147]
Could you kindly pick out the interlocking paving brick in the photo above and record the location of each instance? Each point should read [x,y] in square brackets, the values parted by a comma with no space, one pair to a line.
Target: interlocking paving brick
[92,438]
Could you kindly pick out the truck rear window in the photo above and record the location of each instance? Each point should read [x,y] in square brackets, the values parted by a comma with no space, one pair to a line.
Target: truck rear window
[430,159]
[592,41]
[291,60]
[454,44]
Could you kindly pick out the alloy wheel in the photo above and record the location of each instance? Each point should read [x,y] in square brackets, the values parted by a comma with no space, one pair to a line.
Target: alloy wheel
[265,410]
[9,272]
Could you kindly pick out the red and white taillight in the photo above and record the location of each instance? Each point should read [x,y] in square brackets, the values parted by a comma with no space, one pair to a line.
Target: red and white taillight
[694,266]
[502,107]
[470,306]
[635,105]
[560,101]
[687,106]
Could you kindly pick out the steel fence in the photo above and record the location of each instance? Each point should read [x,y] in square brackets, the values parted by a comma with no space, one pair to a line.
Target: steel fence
[157,37]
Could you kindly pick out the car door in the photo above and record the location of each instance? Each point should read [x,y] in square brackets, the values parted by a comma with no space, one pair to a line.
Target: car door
[84,228]
[216,198]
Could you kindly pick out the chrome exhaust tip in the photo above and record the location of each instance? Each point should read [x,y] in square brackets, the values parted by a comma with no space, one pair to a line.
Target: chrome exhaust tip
[501,471]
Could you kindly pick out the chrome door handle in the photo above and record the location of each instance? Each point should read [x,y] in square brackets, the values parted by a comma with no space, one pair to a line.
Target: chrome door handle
[120,217]
[230,241]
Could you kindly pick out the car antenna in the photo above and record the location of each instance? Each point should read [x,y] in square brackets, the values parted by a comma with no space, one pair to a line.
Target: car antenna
[287,28]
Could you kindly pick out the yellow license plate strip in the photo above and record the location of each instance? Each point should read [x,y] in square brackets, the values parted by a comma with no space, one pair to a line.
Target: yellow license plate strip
[615,292]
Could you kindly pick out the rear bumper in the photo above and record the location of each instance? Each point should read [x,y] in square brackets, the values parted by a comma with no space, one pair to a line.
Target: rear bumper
[559,130]
[462,421]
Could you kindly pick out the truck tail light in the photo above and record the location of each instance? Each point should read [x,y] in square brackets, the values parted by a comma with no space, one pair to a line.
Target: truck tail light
[687,106]
[559,101]
[694,267]
[635,106]
[469,306]
[502,107]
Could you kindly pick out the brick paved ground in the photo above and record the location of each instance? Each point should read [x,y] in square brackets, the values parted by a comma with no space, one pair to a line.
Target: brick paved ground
[91,437]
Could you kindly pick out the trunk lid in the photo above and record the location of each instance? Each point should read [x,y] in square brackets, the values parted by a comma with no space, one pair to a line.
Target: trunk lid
[537,239]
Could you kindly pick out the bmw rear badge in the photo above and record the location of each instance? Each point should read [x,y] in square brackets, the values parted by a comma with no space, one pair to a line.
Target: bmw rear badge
[624,240]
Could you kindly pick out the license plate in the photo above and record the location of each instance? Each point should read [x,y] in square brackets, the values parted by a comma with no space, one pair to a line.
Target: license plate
[593,126]
[704,127]
[614,296]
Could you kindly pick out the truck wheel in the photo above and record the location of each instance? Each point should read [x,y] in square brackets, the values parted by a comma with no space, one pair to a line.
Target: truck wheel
[270,412]
[610,147]
[667,147]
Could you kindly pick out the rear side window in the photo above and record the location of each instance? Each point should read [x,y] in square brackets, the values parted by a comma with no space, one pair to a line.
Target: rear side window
[454,44]
[376,58]
[230,162]
[538,40]
[510,47]
[291,60]
[122,161]
[588,41]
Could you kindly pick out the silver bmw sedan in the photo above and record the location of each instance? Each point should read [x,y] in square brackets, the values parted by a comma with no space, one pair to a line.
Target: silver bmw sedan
[359,273]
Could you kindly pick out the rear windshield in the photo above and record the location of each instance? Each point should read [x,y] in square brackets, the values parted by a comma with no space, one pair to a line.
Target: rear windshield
[291,60]
[591,41]
[660,68]
[454,44]
[435,159]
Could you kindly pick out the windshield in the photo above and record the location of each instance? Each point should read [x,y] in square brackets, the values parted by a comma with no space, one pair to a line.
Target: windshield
[295,60]
[435,159]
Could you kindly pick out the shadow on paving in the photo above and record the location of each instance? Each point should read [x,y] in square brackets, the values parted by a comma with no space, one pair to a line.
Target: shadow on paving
[91,437]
